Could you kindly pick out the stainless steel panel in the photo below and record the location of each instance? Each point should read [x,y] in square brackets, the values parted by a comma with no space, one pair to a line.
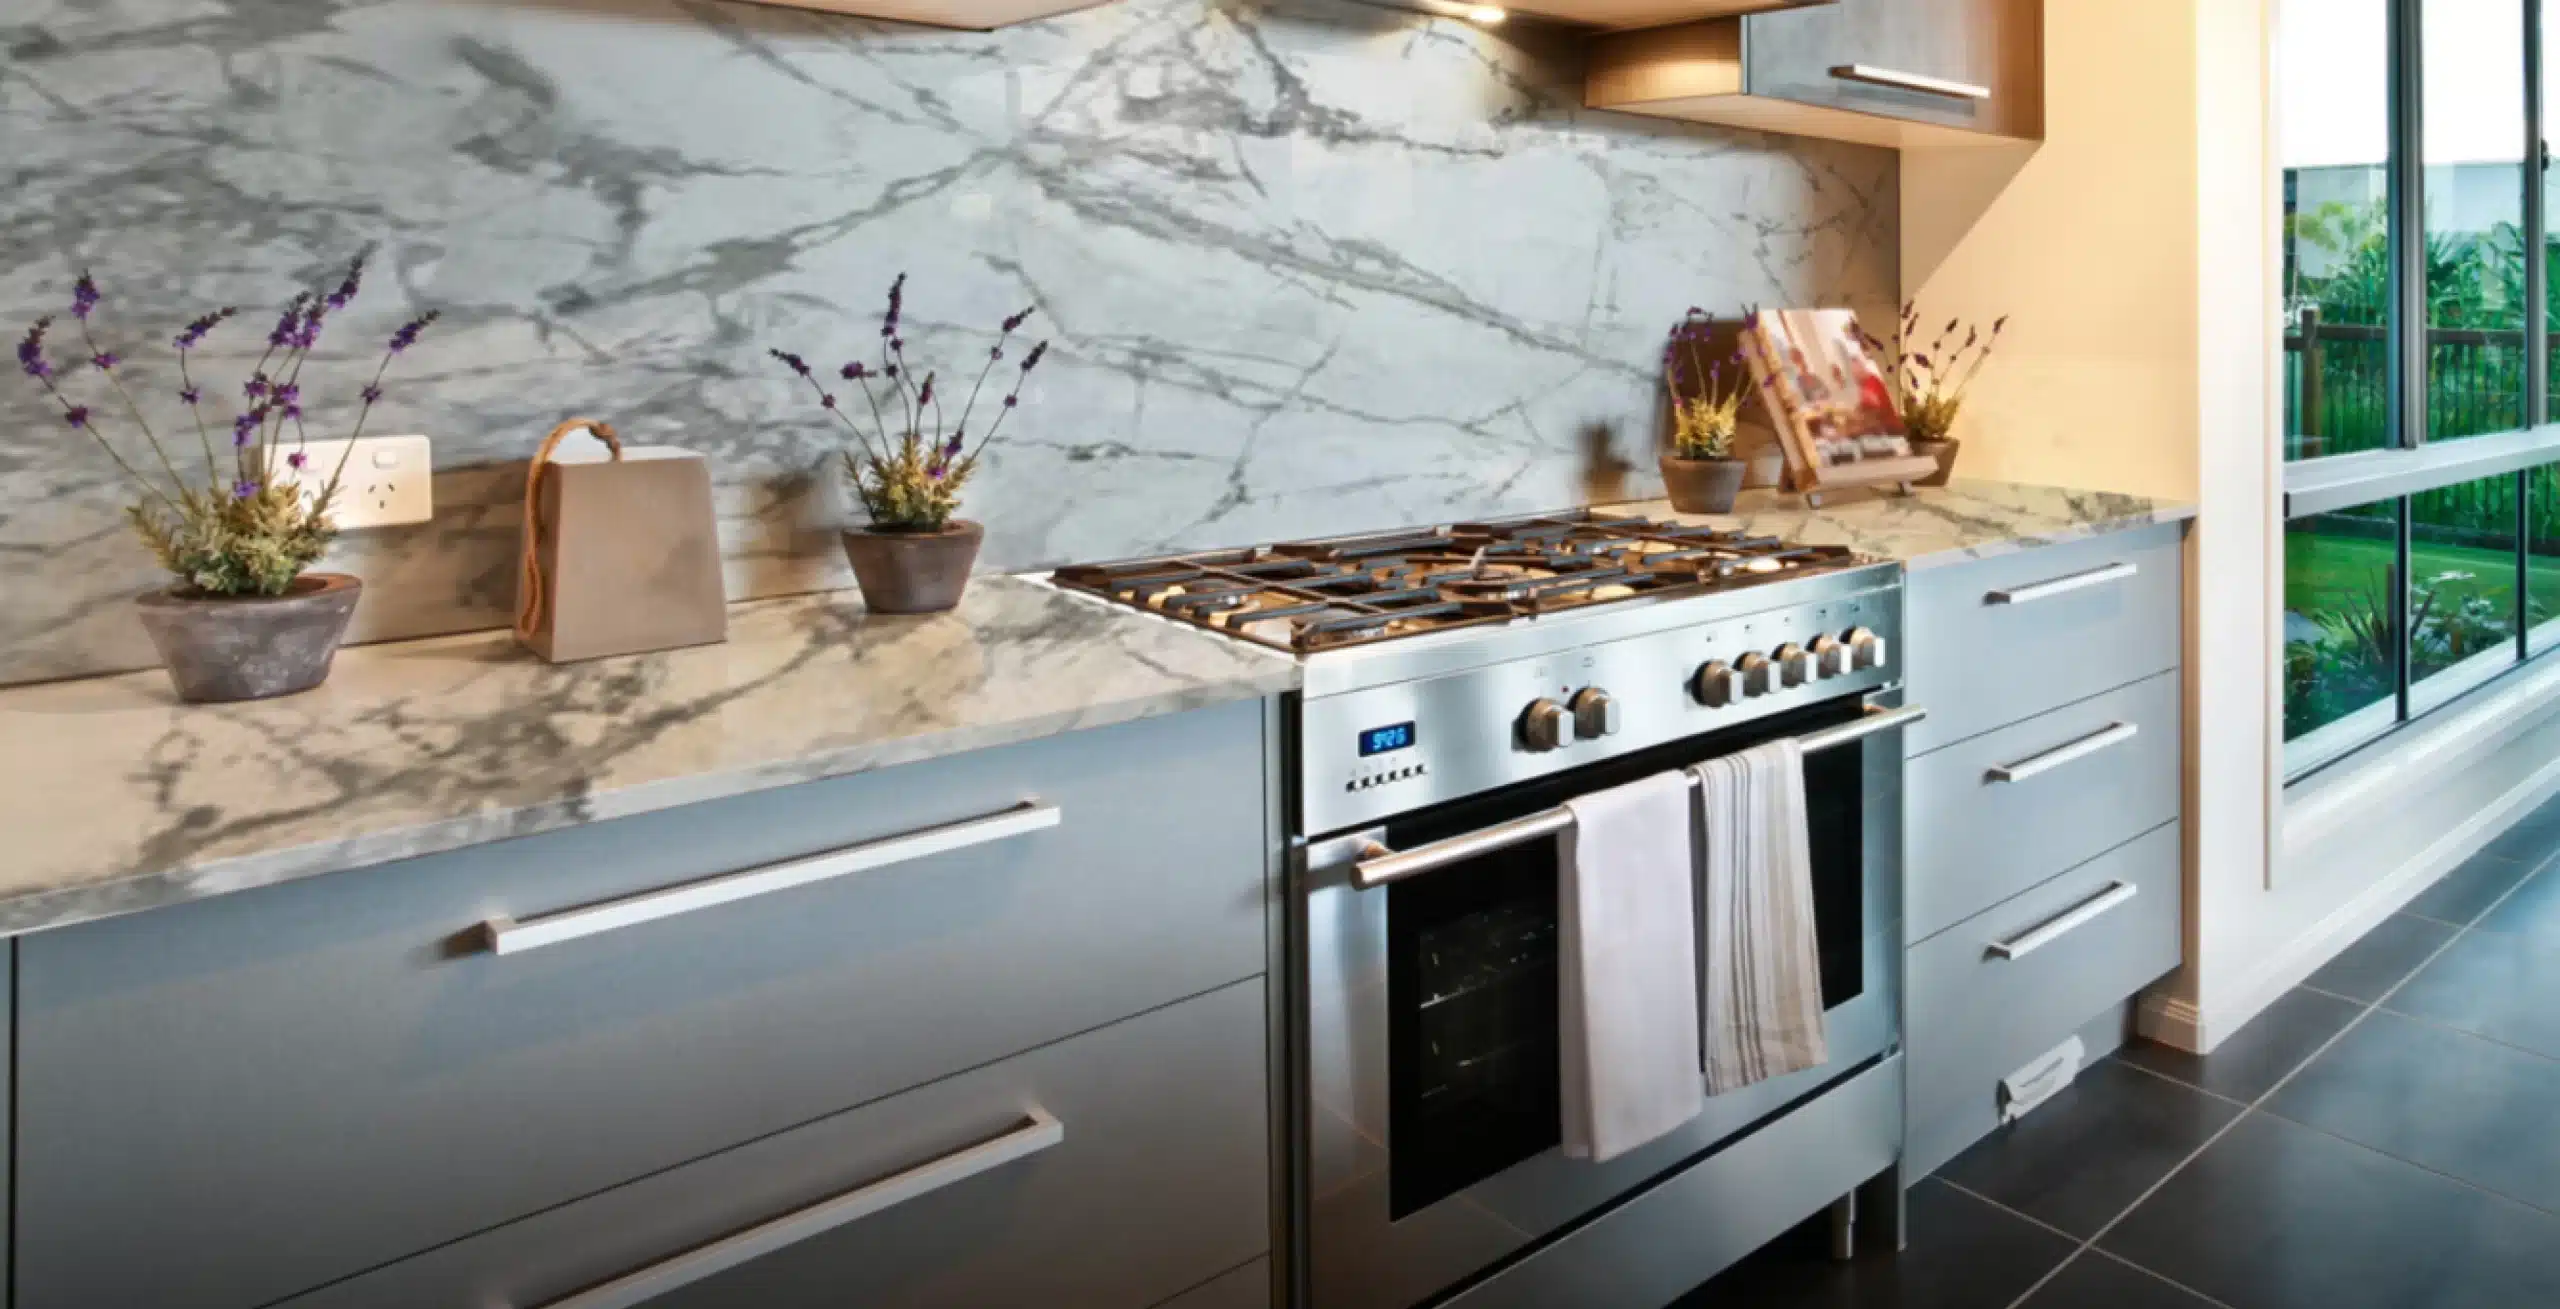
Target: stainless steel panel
[1981,663]
[341,1060]
[1977,839]
[1975,1017]
[1159,1181]
[1362,1259]
[1663,1243]
[1469,740]
[1248,1287]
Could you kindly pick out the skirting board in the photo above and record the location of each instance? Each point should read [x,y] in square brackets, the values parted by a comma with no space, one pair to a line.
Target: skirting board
[2176,1022]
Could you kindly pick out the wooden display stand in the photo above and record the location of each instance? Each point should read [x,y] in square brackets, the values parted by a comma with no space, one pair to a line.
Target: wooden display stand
[1806,426]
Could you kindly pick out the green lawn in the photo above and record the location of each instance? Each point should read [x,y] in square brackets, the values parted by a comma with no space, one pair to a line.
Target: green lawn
[2330,572]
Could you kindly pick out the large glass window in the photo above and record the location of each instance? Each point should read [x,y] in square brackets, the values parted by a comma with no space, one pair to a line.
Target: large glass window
[2416,254]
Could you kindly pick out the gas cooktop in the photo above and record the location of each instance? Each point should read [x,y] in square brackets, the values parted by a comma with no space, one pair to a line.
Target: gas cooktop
[1311,596]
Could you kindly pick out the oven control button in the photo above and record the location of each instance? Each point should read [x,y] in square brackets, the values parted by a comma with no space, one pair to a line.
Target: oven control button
[1546,725]
[1595,714]
[1795,664]
[1759,676]
[1715,684]
[1830,656]
[1866,649]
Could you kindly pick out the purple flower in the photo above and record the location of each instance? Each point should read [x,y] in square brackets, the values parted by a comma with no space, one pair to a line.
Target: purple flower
[84,296]
[190,394]
[853,372]
[288,394]
[1032,360]
[925,396]
[1012,400]
[897,343]
[408,334]
[289,323]
[256,387]
[995,352]
[897,303]
[246,426]
[196,331]
[31,360]
[243,489]
[826,400]
[104,361]
[951,448]
[352,283]
[372,393]
[890,371]
[76,415]
[791,361]
[1014,324]
[297,459]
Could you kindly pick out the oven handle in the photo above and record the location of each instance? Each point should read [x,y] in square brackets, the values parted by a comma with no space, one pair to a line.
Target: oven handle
[1379,866]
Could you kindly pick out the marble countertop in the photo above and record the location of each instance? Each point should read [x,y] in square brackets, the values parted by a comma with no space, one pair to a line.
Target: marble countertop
[1936,526]
[116,798]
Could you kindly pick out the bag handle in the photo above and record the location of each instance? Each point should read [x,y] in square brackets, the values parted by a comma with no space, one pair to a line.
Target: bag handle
[529,596]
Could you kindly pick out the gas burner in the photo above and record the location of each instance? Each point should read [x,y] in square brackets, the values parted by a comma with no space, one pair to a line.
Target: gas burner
[1311,596]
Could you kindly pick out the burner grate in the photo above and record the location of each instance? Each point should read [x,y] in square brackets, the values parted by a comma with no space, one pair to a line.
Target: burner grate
[1306,596]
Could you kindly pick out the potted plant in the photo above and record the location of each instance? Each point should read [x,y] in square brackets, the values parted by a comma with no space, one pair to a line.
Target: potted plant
[1699,470]
[1930,385]
[913,557]
[243,618]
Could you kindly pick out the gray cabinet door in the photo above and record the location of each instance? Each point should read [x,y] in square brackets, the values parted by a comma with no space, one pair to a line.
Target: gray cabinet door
[1872,56]
[237,1100]
[1154,1178]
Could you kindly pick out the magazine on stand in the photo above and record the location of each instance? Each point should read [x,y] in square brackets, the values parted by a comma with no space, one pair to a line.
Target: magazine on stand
[1829,399]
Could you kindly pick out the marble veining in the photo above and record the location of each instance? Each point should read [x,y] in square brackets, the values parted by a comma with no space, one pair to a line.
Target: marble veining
[118,799]
[1936,526]
[1310,266]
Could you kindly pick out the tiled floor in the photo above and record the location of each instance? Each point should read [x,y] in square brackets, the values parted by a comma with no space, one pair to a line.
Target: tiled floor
[2385,1137]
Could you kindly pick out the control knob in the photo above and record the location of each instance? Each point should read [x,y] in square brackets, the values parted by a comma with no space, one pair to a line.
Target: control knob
[1545,726]
[1830,656]
[1716,684]
[1759,676]
[1595,714]
[1866,649]
[1795,664]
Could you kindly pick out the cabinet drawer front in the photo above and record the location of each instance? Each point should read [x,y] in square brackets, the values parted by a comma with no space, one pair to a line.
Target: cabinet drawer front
[2000,639]
[1947,62]
[347,1060]
[2002,812]
[1158,1177]
[2012,983]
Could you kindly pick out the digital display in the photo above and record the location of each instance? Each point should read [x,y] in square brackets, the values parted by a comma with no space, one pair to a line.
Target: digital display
[1379,740]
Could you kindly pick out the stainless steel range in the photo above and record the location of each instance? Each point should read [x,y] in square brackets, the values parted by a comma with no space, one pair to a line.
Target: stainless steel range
[1460,683]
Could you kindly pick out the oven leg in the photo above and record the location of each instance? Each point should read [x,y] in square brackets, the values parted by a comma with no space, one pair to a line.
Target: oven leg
[1844,1228]
[1887,1230]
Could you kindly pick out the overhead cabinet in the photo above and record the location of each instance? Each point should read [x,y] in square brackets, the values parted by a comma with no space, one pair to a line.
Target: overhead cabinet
[966,15]
[1882,72]
[1621,14]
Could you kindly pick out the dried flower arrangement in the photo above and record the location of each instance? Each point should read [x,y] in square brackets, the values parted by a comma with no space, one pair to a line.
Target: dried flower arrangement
[1706,393]
[241,528]
[1930,385]
[909,479]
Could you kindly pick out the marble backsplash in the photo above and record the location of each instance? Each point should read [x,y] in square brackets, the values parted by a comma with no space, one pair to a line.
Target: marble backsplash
[1309,266]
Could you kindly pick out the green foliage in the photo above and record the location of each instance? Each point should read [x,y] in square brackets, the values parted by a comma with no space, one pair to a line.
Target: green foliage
[912,487]
[220,543]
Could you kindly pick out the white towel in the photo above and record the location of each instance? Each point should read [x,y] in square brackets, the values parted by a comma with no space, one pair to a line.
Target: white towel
[1627,968]
[1760,980]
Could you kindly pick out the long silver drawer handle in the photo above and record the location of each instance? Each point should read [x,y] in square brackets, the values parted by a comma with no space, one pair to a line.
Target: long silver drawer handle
[2111,734]
[2018,595]
[1902,81]
[2027,943]
[507,936]
[1034,1136]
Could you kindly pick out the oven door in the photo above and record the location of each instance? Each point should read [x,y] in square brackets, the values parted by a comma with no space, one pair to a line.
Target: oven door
[1432,1132]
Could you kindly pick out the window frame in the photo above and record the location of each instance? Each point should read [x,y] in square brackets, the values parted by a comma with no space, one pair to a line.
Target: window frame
[2409,462]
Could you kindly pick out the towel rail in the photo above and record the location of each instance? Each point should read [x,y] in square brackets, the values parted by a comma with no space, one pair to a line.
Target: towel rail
[1382,866]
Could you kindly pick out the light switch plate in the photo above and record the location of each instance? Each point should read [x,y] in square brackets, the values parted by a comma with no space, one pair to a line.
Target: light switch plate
[389,480]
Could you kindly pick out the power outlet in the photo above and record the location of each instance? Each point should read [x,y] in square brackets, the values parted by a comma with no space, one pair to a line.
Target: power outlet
[389,480]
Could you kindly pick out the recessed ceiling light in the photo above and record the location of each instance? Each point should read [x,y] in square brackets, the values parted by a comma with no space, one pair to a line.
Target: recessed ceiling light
[1485,14]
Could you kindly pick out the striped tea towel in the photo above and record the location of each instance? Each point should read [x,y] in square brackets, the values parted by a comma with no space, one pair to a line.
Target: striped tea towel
[1759,969]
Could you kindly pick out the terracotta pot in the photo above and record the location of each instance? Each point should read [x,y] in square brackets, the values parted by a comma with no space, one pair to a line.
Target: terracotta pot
[1702,486]
[221,648]
[913,572]
[1942,451]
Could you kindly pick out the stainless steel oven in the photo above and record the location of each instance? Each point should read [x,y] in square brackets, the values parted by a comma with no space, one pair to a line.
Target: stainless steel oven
[1429,997]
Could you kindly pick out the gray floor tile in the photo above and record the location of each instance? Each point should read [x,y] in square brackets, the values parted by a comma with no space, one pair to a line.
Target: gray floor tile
[2467,892]
[2083,1157]
[2458,1104]
[2383,958]
[2533,910]
[2277,1216]
[2533,838]
[1963,1254]
[2094,1281]
[2500,985]
[2257,1056]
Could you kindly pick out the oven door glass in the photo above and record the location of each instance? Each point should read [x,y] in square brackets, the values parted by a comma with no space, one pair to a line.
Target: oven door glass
[1471,960]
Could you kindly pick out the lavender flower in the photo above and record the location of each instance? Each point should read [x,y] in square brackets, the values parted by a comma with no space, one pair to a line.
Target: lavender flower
[791,361]
[297,459]
[1032,360]
[289,323]
[897,304]
[951,448]
[827,399]
[372,393]
[84,296]
[408,334]
[1014,323]
[197,330]
[190,394]
[246,426]
[288,394]
[256,387]
[853,372]
[104,361]
[243,489]
[31,360]
[77,416]
[351,284]
[925,396]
